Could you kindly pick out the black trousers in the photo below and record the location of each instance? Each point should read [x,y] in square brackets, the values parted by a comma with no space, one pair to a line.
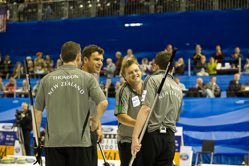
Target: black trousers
[94,139]
[124,150]
[158,149]
[26,137]
[68,156]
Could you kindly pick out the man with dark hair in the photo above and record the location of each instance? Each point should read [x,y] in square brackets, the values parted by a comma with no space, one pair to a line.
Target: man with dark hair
[218,55]
[66,93]
[127,106]
[92,63]
[169,48]
[158,144]
[26,125]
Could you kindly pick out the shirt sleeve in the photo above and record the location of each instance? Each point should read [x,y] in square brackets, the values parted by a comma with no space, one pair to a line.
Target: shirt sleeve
[149,91]
[40,98]
[95,92]
[122,102]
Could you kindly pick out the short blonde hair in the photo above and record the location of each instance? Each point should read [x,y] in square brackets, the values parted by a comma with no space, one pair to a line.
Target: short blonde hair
[128,64]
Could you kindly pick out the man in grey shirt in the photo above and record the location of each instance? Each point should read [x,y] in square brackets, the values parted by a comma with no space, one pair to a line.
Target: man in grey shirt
[110,69]
[159,139]
[128,99]
[65,93]
[92,63]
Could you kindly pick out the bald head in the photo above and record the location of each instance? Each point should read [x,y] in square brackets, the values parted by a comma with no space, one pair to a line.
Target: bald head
[108,61]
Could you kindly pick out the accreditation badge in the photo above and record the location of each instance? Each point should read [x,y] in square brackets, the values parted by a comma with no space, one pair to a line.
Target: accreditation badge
[135,101]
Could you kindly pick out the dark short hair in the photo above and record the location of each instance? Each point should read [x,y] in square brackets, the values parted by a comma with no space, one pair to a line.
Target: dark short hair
[247,83]
[88,50]
[128,64]
[69,51]
[162,59]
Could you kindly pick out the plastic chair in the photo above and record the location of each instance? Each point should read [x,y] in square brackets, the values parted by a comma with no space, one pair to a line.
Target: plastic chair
[207,147]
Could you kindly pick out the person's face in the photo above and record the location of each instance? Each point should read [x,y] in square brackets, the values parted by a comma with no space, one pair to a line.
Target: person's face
[247,60]
[218,48]
[47,57]
[177,80]
[203,59]
[236,77]
[108,61]
[199,81]
[24,106]
[237,50]
[117,56]
[25,83]
[95,62]
[7,57]
[129,52]
[169,49]
[133,74]
[198,49]
[213,79]
[145,61]
[211,60]
[109,81]
[12,81]
[180,60]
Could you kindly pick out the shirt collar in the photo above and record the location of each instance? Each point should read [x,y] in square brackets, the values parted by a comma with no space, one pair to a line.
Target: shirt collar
[67,67]
[157,72]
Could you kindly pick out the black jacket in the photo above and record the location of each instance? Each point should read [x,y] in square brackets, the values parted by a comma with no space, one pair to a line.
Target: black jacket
[26,122]
[234,88]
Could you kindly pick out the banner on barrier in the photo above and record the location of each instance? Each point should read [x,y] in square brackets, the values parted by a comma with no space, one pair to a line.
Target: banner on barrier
[178,143]
[7,139]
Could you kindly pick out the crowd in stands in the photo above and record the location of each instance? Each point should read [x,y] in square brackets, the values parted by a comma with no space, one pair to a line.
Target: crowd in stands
[40,67]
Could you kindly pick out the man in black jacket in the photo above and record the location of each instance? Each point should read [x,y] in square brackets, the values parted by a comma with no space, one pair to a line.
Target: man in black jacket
[235,86]
[26,125]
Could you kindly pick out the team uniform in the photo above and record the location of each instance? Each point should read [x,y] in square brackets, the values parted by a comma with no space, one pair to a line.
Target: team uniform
[94,136]
[127,102]
[65,93]
[158,144]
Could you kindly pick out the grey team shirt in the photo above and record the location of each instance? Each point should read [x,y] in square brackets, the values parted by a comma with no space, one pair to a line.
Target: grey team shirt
[128,101]
[65,93]
[168,107]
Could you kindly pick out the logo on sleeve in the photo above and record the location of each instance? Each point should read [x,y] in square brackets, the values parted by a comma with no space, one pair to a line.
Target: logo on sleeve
[143,95]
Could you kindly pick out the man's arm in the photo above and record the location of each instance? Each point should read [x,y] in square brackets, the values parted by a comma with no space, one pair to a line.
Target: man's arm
[100,133]
[126,120]
[38,119]
[101,107]
[141,119]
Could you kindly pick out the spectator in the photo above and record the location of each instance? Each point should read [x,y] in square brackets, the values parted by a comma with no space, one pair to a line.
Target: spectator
[35,89]
[208,88]
[196,57]
[179,67]
[118,63]
[6,66]
[145,67]
[1,64]
[246,67]
[181,85]
[199,84]
[48,64]
[110,69]
[212,67]
[129,56]
[202,67]
[39,62]
[18,70]
[218,56]
[235,57]
[10,87]
[1,86]
[152,65]
[109,85]
[28,58]
[235,86]
[169,48]
[59,63]
[24,86]
[31,67]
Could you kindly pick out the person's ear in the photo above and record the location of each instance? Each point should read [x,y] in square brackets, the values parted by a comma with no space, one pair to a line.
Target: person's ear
[61,58]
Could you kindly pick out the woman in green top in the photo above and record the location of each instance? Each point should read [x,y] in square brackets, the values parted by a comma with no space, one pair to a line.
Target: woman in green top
[212,66]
